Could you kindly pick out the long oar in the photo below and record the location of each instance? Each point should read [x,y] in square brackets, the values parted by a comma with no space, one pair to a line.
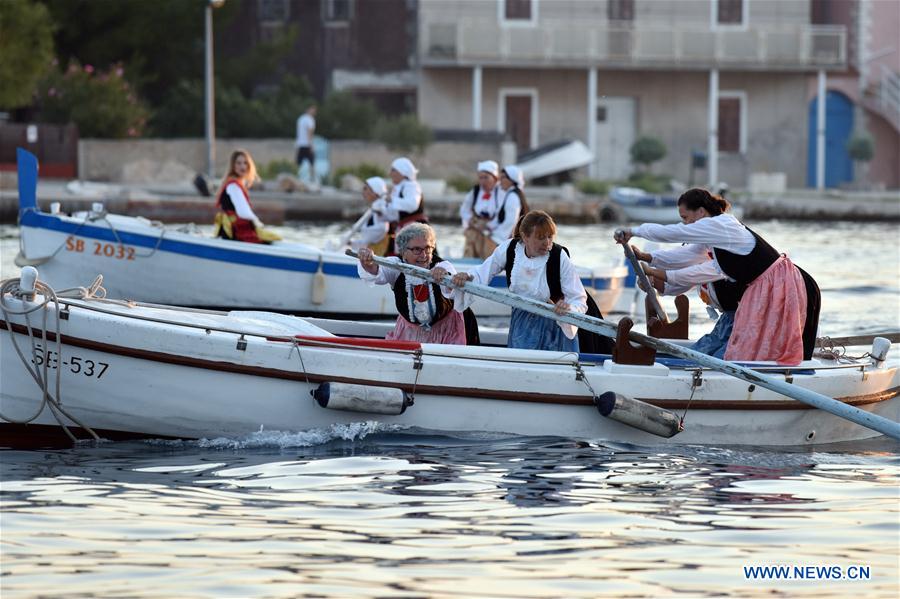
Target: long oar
[645,282]
[345,238]
[817,400]
[851,340]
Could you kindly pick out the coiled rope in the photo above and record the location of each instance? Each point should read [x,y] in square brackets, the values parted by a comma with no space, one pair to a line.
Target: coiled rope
[41,374]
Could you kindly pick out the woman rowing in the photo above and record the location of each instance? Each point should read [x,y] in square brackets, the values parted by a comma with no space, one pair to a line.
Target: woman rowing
[426,310]
[773,304]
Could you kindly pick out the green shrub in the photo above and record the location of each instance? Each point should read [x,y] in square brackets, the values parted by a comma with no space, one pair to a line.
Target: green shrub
[270,113]
[272,169]
[593,187]
[650,182]
[364,170]
[101,104]
[403,134]
[861,148]
[461,183]
[647,150]
[343,116]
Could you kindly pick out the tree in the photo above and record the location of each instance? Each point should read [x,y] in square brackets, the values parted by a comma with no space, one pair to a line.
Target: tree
[861,149]
[647,150]
[26,50]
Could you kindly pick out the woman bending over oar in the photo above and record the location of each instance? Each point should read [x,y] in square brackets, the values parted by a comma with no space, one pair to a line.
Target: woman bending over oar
[773,304]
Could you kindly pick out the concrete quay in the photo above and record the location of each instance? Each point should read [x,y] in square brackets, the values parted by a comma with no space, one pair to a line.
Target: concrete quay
[179,203]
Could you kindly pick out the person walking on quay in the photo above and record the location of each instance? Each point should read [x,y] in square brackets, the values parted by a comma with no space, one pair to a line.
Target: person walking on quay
[306,129]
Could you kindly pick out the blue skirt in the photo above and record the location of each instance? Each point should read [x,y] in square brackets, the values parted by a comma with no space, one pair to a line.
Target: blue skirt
[530,331]
[715,342]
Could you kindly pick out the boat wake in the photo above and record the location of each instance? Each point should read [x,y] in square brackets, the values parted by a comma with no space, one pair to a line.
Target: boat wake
[262,438]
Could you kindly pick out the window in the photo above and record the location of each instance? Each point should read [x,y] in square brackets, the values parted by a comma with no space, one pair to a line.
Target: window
[336,10]
[620,10]
[730,12]
[517,10]
[731,123]
[272,11]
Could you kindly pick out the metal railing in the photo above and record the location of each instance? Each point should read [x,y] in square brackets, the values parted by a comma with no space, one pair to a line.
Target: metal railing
[573,43]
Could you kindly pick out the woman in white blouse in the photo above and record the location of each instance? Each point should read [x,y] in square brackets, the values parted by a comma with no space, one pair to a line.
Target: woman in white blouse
[532,251]
[405,203]
[426,310]
[775,304]
[375,231]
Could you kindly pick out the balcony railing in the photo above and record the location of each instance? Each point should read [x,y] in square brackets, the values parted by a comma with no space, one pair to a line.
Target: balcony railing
[632,45]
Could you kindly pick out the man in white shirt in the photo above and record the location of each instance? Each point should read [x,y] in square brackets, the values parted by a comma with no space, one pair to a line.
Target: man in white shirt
[306,128]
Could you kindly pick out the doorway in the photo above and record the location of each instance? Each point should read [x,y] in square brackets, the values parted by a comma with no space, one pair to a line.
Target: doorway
[614,136]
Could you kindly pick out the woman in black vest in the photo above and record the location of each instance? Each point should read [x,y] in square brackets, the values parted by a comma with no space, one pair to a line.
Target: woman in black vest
[530,255]
[426,312]
[775,304]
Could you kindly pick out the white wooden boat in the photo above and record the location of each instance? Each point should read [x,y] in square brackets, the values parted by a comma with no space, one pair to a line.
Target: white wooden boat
[643,207]
[129,369]
[150,262]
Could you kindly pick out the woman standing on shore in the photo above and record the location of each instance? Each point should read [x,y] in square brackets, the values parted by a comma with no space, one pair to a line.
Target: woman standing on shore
[775,303]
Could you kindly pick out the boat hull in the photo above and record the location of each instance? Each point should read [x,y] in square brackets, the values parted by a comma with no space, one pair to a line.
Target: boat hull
[155,264]
[171,373]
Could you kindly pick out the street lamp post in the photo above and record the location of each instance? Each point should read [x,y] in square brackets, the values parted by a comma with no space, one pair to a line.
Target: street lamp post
[210,94]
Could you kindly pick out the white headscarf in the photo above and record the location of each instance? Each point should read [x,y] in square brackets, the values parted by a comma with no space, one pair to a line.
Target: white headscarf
[377,185]
[405,167]
[490,167]
[515,175]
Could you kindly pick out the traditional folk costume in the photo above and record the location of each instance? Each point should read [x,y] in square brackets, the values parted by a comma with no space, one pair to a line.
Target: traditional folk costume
[426,312]
[771,305]
[376,231]
[528,277]
[489,215]
[235,218]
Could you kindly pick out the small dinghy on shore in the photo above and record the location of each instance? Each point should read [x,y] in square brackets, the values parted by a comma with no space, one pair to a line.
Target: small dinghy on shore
[123,369]
[153,263]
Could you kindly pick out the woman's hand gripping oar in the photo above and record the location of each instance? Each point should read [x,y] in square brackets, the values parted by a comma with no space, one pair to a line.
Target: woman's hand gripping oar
[620,236]
[823,402]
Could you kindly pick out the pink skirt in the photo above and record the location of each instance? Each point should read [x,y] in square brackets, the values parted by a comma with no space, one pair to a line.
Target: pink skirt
[768,324]
[450,330]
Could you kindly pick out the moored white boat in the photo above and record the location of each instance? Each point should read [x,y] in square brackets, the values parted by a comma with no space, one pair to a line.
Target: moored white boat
[150,262]
[643,207]
[133,369]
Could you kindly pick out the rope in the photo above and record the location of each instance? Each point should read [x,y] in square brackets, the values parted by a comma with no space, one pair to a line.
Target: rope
[695,382]
[828,349]
[41,376]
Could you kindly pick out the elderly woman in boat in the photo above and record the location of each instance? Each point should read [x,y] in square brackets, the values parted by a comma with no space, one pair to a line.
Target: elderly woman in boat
[375,232]
[770,306]
[539,269]
[235,218]
[427,313]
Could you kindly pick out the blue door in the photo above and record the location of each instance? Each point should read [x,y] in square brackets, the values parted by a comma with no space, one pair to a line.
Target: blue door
[838,130]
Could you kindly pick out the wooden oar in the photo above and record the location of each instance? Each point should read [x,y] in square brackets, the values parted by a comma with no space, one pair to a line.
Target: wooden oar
[817,400]
[345,238]
[652,295]
[852,340]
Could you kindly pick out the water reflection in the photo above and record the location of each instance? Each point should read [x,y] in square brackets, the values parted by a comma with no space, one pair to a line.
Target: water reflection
[414,514]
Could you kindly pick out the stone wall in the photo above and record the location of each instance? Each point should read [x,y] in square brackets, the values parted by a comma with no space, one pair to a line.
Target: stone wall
[175,160]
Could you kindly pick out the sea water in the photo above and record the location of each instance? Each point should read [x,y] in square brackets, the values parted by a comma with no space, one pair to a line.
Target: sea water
[368,510]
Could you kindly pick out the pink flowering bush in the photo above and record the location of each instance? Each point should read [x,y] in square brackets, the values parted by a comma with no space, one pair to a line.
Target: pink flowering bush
[100,103]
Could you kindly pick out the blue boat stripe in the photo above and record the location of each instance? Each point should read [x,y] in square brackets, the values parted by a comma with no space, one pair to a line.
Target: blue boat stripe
[32,218]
